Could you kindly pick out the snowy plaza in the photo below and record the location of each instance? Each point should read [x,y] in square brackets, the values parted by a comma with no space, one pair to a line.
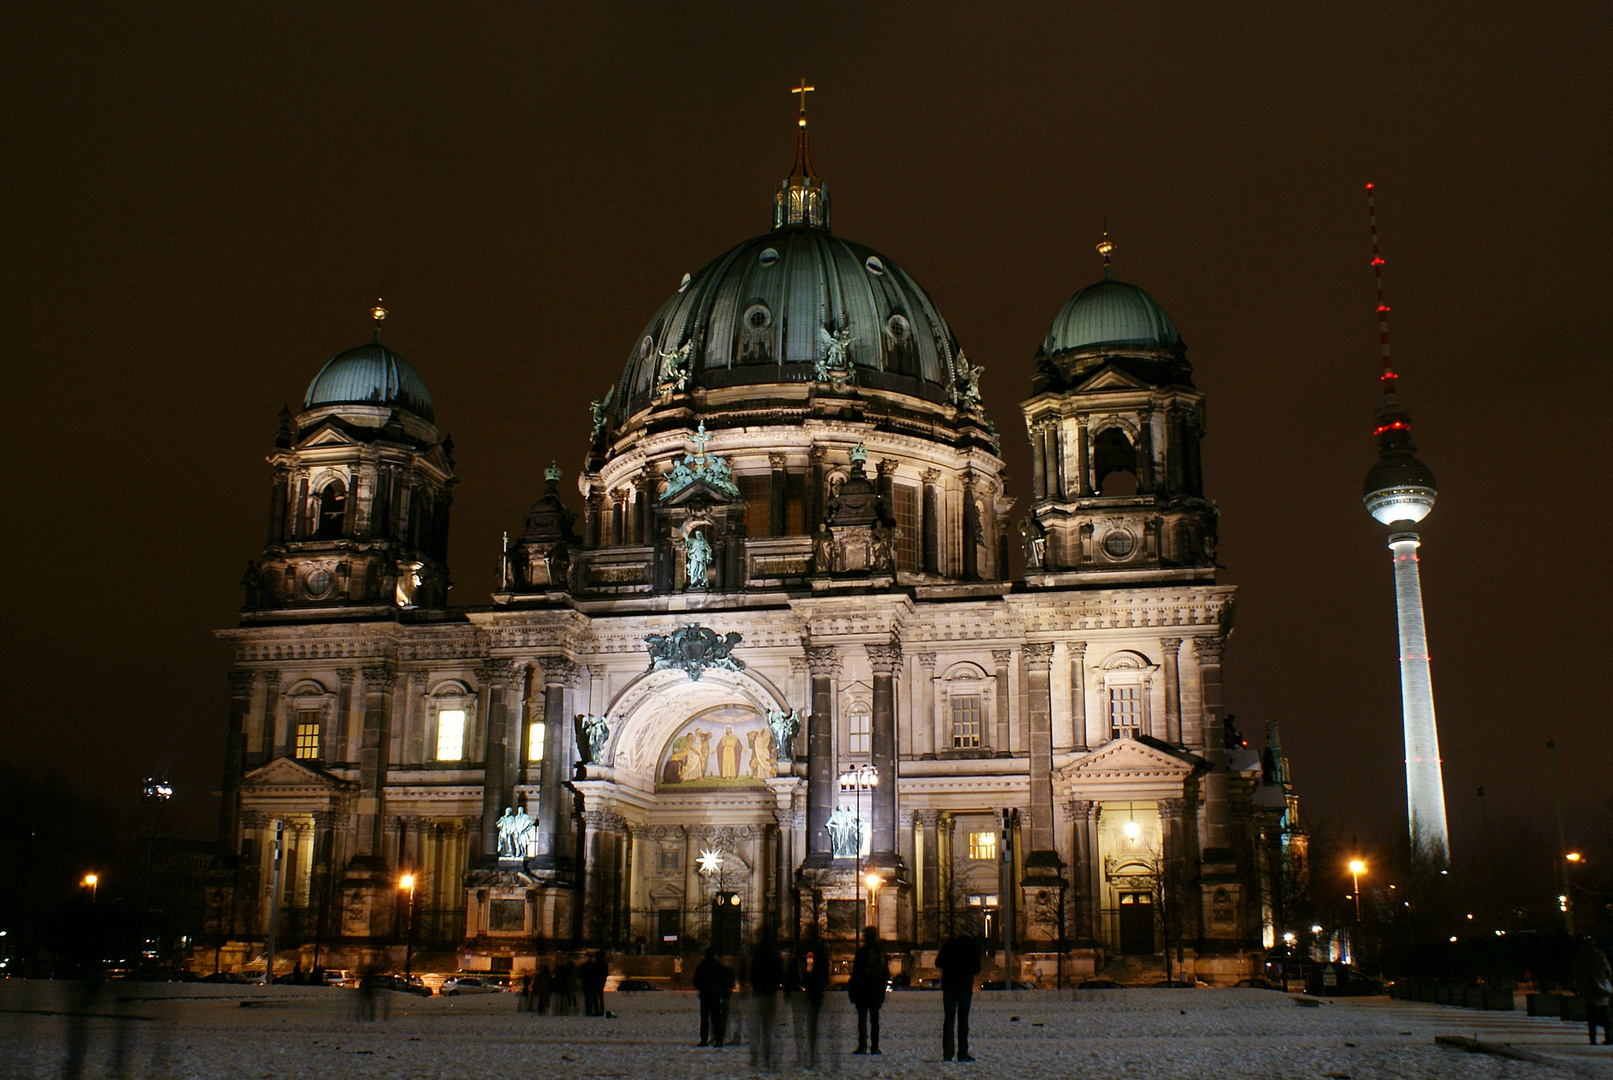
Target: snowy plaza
[219,1031]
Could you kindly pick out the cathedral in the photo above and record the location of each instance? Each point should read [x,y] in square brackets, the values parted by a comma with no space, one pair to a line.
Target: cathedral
[775,676]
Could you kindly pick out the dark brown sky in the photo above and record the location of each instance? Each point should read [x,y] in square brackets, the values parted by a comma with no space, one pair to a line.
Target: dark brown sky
[198,205]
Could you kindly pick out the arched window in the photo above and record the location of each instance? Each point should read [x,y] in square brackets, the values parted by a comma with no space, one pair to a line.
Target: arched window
[332,511]
[1114,463]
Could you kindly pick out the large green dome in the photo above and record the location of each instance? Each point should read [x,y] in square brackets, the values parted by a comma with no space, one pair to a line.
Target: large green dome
[763,312]
[370,375]
[1111,312]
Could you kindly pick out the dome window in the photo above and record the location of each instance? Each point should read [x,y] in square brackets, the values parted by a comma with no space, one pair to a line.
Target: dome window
[768,257]
[758,318]
[645,347]
[875,267]
[685,283]
[896,326]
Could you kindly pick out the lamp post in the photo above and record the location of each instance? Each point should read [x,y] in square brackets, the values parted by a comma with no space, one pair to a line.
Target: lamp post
[862,778]
[873,882]
[1563,860]
[1357,868]
[154,792]
[406,882]
[91,882]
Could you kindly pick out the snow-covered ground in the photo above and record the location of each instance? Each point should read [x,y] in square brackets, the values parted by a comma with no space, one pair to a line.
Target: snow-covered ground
[237,1032]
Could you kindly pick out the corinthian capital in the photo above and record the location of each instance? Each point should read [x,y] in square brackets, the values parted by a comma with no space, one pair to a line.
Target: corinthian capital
[499,670]
[1170,645]
[823,660]
[379,677]
[885,659]
[241,683]
[557,670]
[1209,650]
[1039,653]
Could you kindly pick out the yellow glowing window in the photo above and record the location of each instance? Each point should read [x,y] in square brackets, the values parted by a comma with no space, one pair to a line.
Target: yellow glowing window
[451,735]
[534,741]
[982,845]
[307,748]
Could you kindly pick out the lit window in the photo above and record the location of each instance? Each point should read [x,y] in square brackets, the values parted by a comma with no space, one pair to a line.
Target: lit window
[909,550]
[307,748]
[451,735]
[534,741]
[986,900]
[1125,711]
[861,729]
[982,845]
[966,721]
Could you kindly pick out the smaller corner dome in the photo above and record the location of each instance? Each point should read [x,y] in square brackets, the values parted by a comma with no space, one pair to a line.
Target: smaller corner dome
[1111,312]
[371,374]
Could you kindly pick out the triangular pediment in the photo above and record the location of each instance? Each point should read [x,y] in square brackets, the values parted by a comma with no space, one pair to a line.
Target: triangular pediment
[286,773]
[1133,758]
[1112,378]
[326,433]
[698,489]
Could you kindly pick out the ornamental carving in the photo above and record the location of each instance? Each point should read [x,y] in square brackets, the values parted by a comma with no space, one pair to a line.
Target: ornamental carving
[823,660]
[557,670]
[1039,653]
[379,678]
[703,468]
[593,735]
[1209,650]
[884,659]
[692,649]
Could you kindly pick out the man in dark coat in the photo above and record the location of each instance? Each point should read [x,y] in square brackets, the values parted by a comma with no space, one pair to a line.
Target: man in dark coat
[713,981]
[870,974]
[959,961]
[594,974]
[766,979]
[811,975]
[1593,981]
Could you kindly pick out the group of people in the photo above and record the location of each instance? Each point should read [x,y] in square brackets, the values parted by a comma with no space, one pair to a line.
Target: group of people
[545,991]
[805,980]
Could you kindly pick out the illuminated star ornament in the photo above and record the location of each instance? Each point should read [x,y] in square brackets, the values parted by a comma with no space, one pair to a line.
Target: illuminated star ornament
[710,861]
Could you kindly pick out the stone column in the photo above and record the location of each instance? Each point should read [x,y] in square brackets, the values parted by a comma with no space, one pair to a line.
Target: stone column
[554,802]
[641,507]
[241,683]
[1083,467]
[930,529]
[885,661]
[1055,482]
[1039,462]
[372,757]
[1078,694]
[1173,690]
[824,663]
[272,735]
[340,751]
[929,878]
[494,675]
[618,518]
[885,485]
[1083,913]
[592,507]
[1001,657]
[277,506]
[925,744]
[946,903]
[815,490]
[778,493]
[1145,451]
[1039,702]
[1215,748]
[972,529]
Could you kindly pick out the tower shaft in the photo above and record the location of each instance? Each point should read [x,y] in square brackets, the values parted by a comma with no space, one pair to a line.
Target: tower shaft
[1425,785]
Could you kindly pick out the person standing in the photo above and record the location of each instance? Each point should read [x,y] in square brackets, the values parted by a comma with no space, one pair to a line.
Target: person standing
[595,974]
[713,981]
[1593,981]
[542,987]
[766,979]
[959,961]
[811,975]
[870,974]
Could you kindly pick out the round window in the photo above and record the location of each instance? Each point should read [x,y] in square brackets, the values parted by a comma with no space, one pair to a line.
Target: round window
[768,257]
[684,284]
[757,317]
[317,583]
[1119,543]
[875,267]
[897,327]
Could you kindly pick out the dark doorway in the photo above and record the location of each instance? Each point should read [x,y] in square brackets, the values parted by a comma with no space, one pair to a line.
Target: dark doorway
[725,923]
[1136,923]
[668,927]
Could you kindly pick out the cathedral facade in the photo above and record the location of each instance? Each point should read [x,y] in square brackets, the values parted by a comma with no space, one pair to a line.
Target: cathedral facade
[776,677]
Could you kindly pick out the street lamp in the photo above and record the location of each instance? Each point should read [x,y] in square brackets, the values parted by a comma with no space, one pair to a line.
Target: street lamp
[407,882]
[1357,868]
[1562,840]
[873,882]
[91,882]
[153,792]
[863,778]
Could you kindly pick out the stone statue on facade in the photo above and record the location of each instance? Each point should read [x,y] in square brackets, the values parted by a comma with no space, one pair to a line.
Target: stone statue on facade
[252,585]
[692,649]
[601,408]
[516,829]
[845,833]
[697,559]
[593,732]
[823,550]
[966,385]
[1035,538]
[784,727]
[675,369]
[882,547]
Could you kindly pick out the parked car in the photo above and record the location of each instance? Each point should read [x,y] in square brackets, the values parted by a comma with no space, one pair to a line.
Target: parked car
[635,986]
[410,985]
[470,984]
[1100,984]
[340,977]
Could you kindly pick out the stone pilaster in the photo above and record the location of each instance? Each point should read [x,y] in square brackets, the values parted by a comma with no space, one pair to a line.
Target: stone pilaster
[778,491]
[925,721]
[931,527]
[1078,694]
[1170,647]
[241,684]
[372,757]
[1208,651]
[885,660]
[1000,658]
[823,661]
[1039,699]
[554,834]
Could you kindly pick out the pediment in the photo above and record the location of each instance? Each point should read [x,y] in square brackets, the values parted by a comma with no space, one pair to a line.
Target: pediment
[1134,758]
[326,433]
[1112,378]
[286,773]
[699,489]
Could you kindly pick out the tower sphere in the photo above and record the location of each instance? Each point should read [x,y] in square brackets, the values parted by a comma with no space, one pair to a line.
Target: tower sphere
[1399,488]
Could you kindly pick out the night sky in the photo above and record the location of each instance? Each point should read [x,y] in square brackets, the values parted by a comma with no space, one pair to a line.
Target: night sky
[199,205]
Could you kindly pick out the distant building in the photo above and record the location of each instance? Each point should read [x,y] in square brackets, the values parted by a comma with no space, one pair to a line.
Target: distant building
[779,679]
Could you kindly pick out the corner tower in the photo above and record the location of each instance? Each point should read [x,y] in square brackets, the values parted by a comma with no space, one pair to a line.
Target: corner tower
[1115,424]
[358,512]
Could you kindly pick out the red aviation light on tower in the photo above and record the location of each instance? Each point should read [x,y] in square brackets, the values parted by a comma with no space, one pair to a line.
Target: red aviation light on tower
[1388,377]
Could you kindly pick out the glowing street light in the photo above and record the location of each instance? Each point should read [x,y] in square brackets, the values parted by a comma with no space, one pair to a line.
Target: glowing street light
[873,881]
[1573,856]
[1357,868]
[91,882]
[406,882]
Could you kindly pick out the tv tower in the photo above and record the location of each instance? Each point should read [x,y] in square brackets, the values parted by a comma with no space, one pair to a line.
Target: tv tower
[1399,492]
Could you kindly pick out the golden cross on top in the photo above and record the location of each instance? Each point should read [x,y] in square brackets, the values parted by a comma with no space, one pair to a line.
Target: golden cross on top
[803,90]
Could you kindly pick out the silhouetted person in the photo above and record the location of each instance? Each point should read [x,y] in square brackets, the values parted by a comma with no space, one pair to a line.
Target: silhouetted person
[542,987]
[1593,981]
[565,988]
[594,974]
[811,974]
[959,961]
[524,1002]
[870,974]
[766,979]
[713,981]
